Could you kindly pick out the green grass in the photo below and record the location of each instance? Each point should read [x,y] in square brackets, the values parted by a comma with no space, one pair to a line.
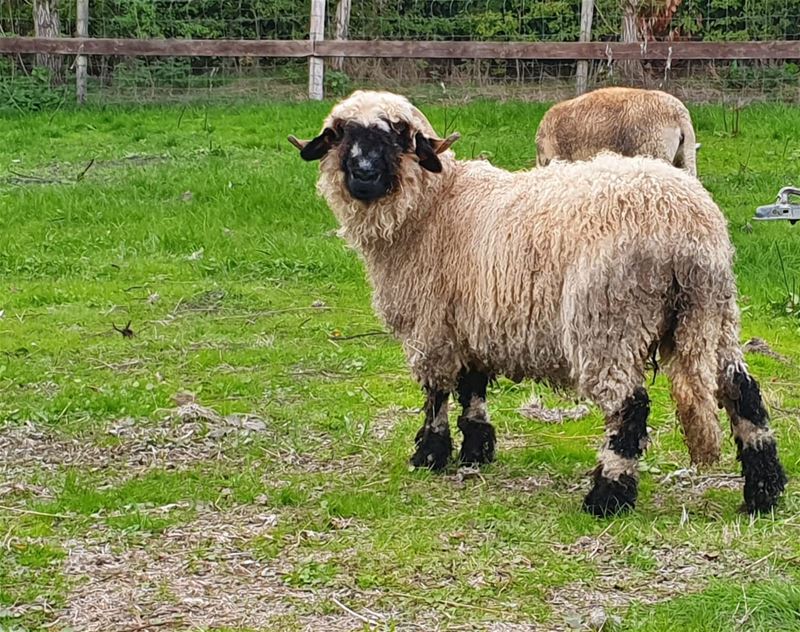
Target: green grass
[200,227]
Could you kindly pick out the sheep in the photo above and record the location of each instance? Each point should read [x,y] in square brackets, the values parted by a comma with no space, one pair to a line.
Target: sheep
[628,121]
[575,274]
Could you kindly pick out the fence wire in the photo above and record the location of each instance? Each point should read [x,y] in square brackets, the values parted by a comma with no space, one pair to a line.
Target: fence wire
[138,79]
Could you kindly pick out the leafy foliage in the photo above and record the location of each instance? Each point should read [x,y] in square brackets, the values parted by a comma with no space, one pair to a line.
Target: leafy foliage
[483,20]
[27,93]
[546,20]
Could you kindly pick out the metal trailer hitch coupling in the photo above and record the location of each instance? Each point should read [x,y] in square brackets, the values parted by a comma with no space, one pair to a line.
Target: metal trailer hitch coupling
[782,209]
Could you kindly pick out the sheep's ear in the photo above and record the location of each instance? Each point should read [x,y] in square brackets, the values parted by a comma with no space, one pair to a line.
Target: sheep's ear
[316,148]
[427,150]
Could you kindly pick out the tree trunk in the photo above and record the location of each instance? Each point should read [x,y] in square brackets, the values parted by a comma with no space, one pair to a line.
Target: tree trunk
[631,70]
[342,27]
[47,24]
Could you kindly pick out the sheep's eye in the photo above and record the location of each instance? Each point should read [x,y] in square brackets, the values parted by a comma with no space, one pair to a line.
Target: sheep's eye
[401,129]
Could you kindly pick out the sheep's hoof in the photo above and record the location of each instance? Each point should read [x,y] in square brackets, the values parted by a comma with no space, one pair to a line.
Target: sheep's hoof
[433,449]
[609,498]
[479,441]
[764,478]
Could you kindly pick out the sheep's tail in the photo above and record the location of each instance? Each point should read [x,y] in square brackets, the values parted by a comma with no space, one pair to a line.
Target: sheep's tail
[689,354]
[701,340]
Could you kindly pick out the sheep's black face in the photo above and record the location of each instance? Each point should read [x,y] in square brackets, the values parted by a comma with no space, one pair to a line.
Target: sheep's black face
[370,155]
[371,158]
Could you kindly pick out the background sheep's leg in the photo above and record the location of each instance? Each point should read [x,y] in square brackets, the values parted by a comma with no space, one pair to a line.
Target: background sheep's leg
[433,441]
[764,478]
[479,435]
[616,477]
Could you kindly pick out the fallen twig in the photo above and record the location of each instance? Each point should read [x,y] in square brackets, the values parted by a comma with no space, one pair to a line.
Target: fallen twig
[452,604]
[353,613]
[79,177]
[31,512]
[149,624]
[126,331]
[371,396]
[27,178]
[354,336]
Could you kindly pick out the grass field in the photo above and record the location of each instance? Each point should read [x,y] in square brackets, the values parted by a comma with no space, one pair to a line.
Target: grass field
[240,461]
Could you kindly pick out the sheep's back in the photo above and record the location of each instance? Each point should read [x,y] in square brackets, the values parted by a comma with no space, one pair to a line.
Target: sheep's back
[628,121]
[617,227]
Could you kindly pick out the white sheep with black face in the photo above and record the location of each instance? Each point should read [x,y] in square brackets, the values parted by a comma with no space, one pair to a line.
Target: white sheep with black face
[574,274]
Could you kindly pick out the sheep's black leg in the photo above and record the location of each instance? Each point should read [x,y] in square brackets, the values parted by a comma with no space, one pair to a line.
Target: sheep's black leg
[616,478]
[479,435]
[433,439]
[764,478]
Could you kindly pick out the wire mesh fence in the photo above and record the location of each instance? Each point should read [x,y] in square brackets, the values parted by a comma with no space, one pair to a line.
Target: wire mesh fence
[26,84]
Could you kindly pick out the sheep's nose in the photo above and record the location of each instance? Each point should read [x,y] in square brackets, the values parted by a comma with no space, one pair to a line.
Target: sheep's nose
[365,173]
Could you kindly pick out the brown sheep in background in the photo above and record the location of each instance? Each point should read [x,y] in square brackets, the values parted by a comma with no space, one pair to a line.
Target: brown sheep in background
[627,121]
[574,274]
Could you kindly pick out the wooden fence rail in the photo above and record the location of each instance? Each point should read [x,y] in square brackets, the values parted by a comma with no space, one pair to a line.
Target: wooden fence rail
[613,51]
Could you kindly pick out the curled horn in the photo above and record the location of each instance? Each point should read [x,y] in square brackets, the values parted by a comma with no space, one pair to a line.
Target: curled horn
[300,144]
[316,148]
[444,145]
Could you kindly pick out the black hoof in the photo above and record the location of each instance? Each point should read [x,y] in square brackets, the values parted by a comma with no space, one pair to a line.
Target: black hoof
[479,441]
[764,478]
[433,449]
[608,498]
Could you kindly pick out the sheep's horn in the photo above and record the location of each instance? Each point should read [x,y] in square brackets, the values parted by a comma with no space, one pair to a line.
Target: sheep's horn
[300,144]
[445,144]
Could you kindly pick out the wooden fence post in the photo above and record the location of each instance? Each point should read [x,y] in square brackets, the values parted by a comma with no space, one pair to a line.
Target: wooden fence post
[316,69]
[82,30]
[582,73]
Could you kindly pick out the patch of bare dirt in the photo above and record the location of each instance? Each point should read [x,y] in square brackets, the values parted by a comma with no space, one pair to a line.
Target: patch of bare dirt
[141,447]
[760,346]
[382,425]
[687,487]
[534,409]
[202,575]
[526,484]
[64,173]
[690,481]
[10,487]
[186,435]
[677,570]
